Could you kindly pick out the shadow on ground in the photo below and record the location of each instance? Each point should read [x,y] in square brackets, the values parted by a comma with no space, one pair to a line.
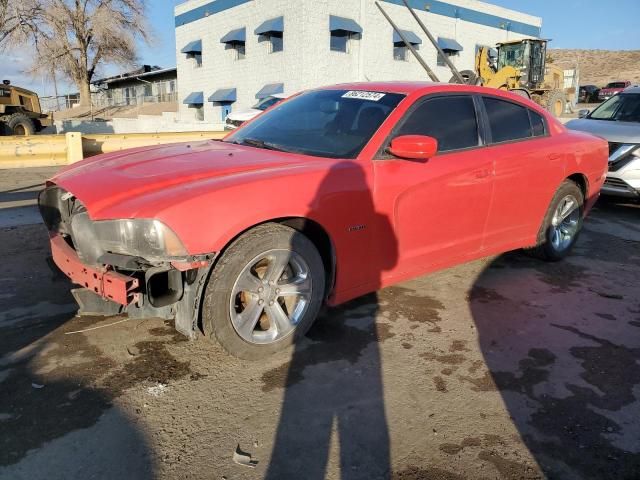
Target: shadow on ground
[560,341]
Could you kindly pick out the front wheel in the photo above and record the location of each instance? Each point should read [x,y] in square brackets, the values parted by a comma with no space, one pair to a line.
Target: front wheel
[265,292]
[562,223]
[18,124]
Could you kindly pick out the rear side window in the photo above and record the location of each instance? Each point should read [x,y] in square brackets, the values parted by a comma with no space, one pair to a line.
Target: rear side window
[537,124]
[507,120]
[451,120]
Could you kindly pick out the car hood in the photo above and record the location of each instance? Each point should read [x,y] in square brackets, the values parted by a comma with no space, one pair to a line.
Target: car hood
[106,183]
[611,90]
[612,131]
[244,115]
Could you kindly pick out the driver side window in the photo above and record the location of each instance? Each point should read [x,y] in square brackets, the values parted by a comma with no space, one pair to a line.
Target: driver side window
[451,120]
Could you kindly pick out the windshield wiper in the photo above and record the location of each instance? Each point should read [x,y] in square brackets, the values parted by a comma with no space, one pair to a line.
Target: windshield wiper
[254,142]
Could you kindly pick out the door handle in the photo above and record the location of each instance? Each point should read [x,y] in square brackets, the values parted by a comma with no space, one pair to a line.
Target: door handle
[555,156]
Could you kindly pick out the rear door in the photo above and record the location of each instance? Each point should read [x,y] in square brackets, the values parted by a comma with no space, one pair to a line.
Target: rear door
[527,167]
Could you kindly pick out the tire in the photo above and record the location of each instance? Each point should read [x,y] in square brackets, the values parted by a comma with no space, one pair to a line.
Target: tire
[18,124]
[248,262]
[554,101]
[521,93]
[549,246]
[469,76]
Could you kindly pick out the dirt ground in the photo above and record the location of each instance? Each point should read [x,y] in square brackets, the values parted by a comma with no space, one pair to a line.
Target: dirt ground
[504,368]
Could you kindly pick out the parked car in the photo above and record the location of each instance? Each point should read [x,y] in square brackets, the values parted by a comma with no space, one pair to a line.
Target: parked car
[329,195]
[235,119]
[618,121]
[612,89]
[588,94]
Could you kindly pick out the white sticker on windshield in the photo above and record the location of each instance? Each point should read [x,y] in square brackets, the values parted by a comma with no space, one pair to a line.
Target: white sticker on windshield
[373,96]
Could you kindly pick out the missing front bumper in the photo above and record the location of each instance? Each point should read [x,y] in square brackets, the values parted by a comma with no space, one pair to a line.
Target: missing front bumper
[106,292]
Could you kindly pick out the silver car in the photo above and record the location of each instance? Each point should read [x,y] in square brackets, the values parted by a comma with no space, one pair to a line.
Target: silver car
[618,121]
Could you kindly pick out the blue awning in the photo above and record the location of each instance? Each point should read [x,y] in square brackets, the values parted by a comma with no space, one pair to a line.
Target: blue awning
[449,44]
[409,35]
[270,89]
[343,24]
[273,25]
[194,98]
[238,35]
[224,95]
[193,47]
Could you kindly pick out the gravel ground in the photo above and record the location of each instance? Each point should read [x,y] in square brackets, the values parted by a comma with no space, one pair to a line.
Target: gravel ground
[503,368]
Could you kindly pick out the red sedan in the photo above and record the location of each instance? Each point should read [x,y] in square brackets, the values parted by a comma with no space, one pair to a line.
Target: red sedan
[333,193]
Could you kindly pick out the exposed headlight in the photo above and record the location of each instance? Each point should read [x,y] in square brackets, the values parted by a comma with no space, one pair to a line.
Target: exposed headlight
[146,238]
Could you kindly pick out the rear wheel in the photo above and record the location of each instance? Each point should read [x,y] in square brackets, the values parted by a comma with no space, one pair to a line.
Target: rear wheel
[554,101]
[562,223]
[265,292]
[18,124]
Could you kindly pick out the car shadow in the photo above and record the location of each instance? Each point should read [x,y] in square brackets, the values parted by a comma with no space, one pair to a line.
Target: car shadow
[560,342]
[340,404]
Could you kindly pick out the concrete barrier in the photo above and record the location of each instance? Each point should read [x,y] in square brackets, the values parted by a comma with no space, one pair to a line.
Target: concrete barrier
[52,150]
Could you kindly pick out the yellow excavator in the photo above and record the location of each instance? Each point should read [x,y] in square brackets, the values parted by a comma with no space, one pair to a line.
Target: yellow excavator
[520,66]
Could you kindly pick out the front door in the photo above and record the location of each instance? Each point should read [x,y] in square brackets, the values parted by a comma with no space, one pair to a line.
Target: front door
[438,207]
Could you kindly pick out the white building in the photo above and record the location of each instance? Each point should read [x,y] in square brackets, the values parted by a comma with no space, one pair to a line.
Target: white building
[232,52]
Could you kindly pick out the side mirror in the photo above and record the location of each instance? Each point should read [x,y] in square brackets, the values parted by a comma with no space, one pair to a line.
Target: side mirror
[414,147]
[583,113]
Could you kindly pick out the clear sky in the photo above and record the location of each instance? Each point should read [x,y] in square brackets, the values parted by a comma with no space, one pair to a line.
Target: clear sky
[569,23]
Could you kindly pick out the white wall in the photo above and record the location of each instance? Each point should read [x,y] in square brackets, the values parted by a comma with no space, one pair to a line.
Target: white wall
[306,61]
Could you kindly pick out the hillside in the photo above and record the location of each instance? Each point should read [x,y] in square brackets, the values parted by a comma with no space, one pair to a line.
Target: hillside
[598,67]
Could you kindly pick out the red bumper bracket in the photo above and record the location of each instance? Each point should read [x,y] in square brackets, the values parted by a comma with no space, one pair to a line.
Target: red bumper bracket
[108,284]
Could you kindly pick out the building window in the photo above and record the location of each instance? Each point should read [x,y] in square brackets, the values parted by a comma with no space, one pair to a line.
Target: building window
[276,42]
[235,40]
[239,50]
[193,50]
[341,31]
[400,53]
[271,31]
[340,41]
[449,53]
[199,111]
[400,49]
[451,49]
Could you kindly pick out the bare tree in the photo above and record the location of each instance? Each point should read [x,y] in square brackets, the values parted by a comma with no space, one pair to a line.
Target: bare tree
[17,19]
[75,37]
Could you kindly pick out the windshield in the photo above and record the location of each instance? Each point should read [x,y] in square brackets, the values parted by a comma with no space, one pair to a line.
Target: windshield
[323,123]
[616,85]
[266,103]
[624,107]
[513,55]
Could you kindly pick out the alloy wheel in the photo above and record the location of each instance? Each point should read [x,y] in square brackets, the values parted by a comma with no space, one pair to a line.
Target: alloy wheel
[565,223]
[270,296]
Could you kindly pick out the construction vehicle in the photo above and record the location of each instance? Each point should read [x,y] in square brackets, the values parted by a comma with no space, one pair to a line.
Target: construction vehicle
[518,66]
[20,111]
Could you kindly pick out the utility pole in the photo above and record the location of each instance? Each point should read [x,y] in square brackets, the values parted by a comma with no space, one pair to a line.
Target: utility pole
[449,63]
[413,50]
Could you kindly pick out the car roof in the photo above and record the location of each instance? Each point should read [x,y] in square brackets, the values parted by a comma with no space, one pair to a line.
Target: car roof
[421,88]
[632,89]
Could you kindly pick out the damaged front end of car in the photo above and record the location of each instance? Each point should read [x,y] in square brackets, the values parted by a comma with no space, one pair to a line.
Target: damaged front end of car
[137,267]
